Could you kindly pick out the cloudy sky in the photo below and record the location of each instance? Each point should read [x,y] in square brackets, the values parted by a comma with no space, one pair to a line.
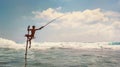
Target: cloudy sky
[83,20]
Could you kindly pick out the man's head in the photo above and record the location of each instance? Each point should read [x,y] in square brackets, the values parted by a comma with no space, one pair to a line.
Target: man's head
[33,27]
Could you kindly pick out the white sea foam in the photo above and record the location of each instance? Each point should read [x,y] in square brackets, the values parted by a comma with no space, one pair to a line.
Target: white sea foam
[5,43]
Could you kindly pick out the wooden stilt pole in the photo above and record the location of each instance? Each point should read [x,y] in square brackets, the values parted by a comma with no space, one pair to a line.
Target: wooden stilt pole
[26,53]
[26,49]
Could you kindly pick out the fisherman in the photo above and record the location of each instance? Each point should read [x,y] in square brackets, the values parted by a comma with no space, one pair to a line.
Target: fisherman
[33,30]
[31,36]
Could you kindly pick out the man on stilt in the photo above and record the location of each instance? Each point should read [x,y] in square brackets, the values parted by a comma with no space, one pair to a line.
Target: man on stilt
[31,36]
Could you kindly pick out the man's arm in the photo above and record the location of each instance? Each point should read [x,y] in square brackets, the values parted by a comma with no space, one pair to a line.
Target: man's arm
[40,28]
[29,29]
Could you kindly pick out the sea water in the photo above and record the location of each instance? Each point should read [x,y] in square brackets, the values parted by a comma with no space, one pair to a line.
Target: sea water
[61,54]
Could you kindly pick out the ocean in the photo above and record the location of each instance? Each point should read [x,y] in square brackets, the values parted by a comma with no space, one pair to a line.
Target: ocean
[60,54]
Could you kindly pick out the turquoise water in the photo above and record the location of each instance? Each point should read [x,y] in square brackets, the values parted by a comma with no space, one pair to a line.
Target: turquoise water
[114,43]
[60,57]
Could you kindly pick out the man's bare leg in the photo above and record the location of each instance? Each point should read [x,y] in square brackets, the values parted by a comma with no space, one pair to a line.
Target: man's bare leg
[30,43]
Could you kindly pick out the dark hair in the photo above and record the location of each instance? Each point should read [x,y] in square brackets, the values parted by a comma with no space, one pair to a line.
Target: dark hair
[33,26]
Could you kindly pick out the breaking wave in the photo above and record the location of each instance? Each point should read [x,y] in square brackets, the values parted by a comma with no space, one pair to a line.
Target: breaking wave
[5,43]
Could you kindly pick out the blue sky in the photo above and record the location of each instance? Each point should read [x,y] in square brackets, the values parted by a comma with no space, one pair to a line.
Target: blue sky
[16,15]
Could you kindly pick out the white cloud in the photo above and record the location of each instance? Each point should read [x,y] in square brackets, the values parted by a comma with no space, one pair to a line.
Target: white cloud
[87,25]
[47,14]
[59,8]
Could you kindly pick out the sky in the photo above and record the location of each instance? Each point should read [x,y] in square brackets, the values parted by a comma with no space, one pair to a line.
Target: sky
[83,20]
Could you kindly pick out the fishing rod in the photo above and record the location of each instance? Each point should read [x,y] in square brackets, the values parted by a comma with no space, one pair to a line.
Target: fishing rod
[52,20]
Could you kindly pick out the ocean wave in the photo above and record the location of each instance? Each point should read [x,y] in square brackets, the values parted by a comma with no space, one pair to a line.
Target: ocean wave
[5,43]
